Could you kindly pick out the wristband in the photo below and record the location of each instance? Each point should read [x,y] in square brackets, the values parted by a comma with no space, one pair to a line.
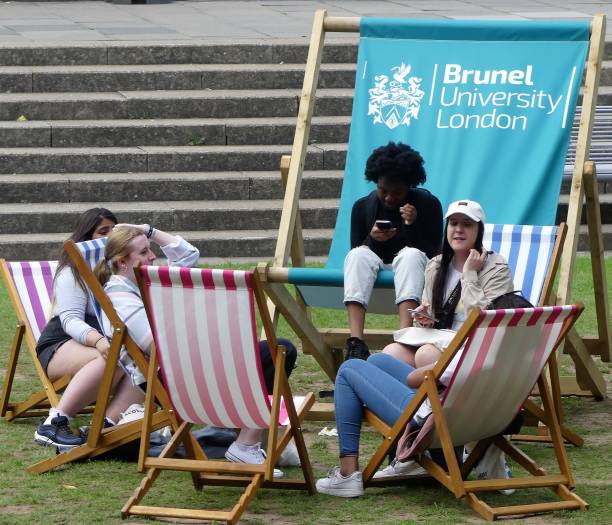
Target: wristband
[150,232]
[98,340]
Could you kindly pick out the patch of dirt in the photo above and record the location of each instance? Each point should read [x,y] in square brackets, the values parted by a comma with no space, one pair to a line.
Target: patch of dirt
[17,509]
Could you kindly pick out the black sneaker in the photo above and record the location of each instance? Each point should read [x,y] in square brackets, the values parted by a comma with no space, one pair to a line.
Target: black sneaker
[356,349]
[57,434]
[84,430]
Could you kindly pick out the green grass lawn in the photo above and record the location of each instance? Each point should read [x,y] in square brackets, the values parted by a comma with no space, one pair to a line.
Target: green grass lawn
[94,492]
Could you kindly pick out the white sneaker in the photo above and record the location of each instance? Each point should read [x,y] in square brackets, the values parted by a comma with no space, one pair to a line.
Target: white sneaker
[252,454]
[133,413]
[336,484]
[397,469]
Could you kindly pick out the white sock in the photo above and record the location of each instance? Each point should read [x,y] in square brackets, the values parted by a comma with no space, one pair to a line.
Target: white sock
[54,412]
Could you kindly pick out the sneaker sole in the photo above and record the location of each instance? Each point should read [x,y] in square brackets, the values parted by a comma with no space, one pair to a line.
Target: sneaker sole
[341,493]
[234,459]
[44,441]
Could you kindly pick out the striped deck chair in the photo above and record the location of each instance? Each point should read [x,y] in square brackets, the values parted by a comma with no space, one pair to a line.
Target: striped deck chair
[504,352]
[206,346]
[30,289]
[99,440]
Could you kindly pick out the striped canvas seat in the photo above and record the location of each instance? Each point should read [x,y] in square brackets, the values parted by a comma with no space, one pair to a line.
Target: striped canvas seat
[204,327]
[33,282]
[484,385]
[207,345]
[30,288]
[92,251]
[498,357]
[528,250]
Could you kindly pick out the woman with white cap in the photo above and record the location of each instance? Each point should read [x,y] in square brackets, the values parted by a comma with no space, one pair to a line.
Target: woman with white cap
[464,276]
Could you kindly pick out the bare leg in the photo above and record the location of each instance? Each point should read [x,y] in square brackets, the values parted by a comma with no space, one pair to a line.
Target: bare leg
[83,388]
[404,315]
[427,355]
[356,318]
[348,465]
[402,352]
[124,395]
[70,358]
[249,436]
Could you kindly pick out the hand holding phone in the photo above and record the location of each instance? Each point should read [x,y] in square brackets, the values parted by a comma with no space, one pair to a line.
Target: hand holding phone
[421,313]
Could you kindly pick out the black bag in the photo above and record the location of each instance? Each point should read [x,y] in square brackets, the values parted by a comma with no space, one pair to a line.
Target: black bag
[513,299]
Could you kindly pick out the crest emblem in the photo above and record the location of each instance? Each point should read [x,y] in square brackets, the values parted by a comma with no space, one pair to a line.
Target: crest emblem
[396,102]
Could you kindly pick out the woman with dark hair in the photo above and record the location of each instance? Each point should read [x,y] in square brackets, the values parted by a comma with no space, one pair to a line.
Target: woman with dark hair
[72,342]
[463,277]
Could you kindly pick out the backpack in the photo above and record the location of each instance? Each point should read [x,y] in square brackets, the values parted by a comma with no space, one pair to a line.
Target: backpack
[512,299]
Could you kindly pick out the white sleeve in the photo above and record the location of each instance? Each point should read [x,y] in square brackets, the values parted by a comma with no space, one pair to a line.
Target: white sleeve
[181,253]
[71,305]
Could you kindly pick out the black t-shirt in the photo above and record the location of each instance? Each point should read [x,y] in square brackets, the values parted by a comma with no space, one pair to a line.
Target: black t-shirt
[425,233]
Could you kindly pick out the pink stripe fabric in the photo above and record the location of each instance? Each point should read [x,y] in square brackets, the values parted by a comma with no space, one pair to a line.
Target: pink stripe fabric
[205,333]
[500,364]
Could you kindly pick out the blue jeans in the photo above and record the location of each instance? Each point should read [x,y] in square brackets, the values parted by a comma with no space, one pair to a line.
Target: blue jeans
[378,384]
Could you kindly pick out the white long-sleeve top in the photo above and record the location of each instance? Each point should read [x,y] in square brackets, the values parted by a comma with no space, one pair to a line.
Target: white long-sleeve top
[71,303]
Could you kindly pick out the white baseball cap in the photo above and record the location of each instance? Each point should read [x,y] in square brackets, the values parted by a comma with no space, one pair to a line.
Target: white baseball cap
[471,209]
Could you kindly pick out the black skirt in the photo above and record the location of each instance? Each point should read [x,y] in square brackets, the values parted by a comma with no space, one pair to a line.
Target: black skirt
[53,336]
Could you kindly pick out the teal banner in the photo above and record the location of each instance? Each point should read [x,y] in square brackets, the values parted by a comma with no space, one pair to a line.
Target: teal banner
[488,104]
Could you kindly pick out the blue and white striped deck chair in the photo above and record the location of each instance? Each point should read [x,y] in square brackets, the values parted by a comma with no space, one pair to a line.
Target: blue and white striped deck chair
[92,251]
[85,256]
[529,251]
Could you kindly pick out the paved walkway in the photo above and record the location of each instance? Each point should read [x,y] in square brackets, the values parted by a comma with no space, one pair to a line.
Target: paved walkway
[31,22]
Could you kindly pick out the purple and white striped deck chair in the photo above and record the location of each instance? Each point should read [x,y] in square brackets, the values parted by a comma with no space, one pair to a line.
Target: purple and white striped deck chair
[498,356]
[30,288]
[204,327]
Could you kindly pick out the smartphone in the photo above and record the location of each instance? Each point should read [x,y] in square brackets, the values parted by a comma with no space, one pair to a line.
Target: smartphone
[384,225]
[422,314]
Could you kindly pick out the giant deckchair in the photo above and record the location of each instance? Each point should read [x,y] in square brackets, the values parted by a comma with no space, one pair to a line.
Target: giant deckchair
[203,324]
[458,91]
[100,440]
[499,356]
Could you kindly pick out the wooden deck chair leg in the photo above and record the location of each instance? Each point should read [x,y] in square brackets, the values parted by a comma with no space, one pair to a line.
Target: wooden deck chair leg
[10,369]
[456,482]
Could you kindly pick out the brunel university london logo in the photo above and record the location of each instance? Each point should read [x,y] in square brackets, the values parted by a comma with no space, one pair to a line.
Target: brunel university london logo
[395,103]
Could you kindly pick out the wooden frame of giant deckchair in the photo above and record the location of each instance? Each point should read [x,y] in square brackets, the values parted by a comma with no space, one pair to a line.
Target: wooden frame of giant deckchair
[453,477]
[290,245]
[102,440]
[223,473]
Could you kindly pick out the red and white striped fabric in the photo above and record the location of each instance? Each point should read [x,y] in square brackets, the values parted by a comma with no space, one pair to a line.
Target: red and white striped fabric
[500,364]
[205,333]
[33,281]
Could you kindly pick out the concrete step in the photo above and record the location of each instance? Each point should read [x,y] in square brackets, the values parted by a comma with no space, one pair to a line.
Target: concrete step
[163,159]
[166,132]
[169,52]
[131,187]
[247,245]
[169,215]
[169,104]
[63,79]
